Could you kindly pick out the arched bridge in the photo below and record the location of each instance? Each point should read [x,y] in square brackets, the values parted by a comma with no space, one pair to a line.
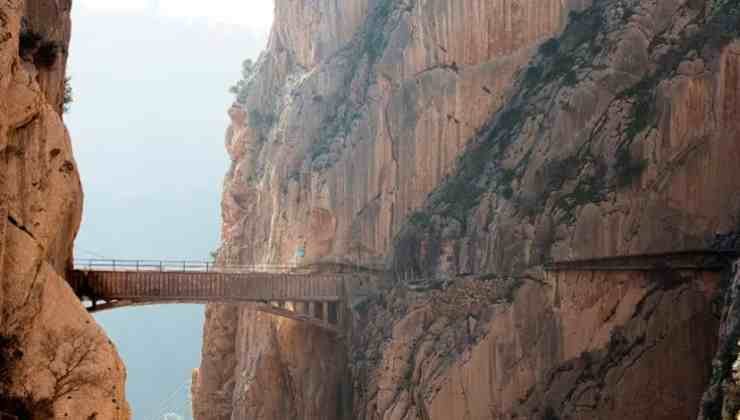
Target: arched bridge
[306,294]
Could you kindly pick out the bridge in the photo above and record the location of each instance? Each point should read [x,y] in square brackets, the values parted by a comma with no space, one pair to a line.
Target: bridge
[303,293]
[310,294]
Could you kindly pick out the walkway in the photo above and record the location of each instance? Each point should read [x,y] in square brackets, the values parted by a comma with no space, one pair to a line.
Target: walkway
[702,259]
[289,291]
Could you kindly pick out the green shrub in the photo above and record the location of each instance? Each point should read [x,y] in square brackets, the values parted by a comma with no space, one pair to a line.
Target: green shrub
[550,47]
[628,168]
[240,89]
[68,95]
[259,119]
[420,219]
[32,45]
[28,42]
[376,37]
[47,54]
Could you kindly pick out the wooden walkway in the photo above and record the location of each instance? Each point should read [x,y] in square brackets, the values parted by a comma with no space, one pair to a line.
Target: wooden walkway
[702,259]
[311,297]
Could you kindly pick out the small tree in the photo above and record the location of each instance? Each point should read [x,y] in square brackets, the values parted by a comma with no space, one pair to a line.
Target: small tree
[70,358]
[240,88]
[68,95]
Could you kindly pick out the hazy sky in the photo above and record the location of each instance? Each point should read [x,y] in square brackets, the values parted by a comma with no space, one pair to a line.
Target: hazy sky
[150,80]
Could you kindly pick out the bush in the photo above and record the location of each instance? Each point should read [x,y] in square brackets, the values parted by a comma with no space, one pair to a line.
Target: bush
[376,39]
[420,219]
[258,119]
[628,168]
[68,97]
[46,55]
[550,47]
[240,88]
[29,41]
[31,45]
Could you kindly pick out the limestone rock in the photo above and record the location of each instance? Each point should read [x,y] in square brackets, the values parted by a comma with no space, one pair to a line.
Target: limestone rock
[44,327]
[454,139]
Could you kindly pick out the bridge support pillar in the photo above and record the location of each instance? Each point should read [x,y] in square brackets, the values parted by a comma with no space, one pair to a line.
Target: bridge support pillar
[300,307]
[340,313]
[325,311]
[312,310]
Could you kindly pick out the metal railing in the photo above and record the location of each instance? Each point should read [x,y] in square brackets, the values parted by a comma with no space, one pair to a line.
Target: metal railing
[177,266]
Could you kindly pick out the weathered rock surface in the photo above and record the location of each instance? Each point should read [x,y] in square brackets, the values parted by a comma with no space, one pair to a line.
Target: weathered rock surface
[356,111]
[580,346]
[722,399]
[445,138]
[56,360]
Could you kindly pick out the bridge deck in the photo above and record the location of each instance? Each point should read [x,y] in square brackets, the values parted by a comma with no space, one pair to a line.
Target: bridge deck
[162,286]
[118,284]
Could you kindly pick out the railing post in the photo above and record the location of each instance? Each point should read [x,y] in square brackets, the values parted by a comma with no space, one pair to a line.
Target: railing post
[161,267]
[183,266]
[114,265]
[137,265]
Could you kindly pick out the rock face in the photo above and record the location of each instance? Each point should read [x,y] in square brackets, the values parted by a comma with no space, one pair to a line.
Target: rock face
[722,399]
[478,139]
[55,361]
[579,346]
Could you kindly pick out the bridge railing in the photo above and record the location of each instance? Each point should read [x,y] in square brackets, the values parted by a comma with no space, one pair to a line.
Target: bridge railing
[176,266]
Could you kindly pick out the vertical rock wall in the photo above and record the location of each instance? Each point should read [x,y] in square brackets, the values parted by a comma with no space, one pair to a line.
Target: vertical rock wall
[571,345]
[56,361]
[356,111]
[447,138]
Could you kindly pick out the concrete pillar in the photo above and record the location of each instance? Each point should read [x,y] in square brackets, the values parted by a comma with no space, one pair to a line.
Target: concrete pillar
[312,309]
[325,309]
[301,308]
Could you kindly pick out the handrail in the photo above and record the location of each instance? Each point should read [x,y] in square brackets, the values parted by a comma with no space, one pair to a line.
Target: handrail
[174,265]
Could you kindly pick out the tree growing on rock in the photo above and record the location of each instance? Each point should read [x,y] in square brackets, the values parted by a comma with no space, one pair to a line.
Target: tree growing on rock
[69,359]
[240,88]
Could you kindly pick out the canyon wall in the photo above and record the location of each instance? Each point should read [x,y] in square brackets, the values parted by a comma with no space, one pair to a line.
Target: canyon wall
[55,361]
[578,345]
[464,144]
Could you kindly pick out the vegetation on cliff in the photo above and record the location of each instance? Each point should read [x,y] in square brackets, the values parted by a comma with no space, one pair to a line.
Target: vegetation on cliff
[498,160]
[241,88]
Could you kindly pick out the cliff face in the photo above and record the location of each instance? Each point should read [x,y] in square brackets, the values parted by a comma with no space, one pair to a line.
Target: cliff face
[722,398]
[619,138]
[55,362]
[579,346]
[457,139]
[344,132]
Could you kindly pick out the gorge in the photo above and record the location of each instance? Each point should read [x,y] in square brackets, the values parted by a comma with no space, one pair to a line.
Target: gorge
[460,148]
